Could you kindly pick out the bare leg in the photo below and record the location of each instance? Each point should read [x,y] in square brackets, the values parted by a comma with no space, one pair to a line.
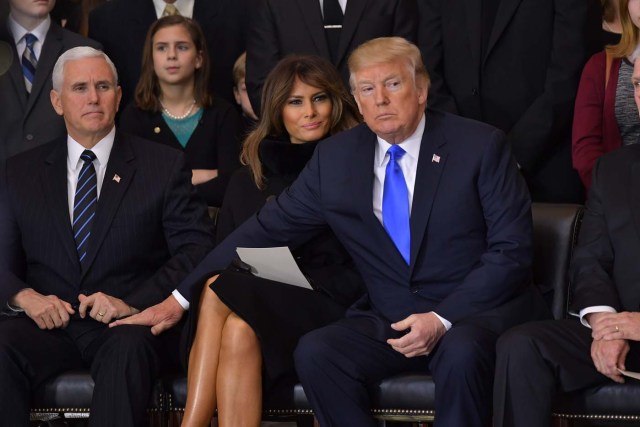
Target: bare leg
[239,385]
[203,359]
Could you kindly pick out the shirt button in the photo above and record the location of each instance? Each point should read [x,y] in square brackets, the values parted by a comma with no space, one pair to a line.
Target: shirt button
[29,137]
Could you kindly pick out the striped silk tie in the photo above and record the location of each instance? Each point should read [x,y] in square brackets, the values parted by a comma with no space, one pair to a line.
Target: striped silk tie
[84,204]
[170,10]
[29,61]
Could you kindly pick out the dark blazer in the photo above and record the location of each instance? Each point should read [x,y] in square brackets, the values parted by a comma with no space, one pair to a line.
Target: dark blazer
[470,224]
[29,121]
[524,81]
[121,26]
[605,268]
[148,232]
[282,27]
[213,144]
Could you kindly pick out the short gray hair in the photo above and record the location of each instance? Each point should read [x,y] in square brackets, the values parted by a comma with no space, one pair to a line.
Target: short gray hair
[73,54]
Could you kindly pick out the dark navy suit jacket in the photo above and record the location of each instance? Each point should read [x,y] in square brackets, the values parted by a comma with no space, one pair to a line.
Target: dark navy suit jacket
[471,231]
[148,233]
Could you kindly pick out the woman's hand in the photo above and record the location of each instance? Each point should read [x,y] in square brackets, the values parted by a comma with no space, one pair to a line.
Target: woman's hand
[200,176]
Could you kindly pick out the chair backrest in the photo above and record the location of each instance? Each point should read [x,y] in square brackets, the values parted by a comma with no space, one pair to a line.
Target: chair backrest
[555,232]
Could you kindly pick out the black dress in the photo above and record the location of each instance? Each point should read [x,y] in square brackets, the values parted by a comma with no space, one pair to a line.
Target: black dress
[279,313]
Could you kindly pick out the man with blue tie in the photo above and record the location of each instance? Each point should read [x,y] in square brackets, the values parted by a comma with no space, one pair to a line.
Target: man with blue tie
[36,41]
[437,218]
[94,226]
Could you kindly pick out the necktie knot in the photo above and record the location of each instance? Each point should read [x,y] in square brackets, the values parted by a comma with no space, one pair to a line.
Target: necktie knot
[88,156]
[395,153]
[30,39]
[170,10]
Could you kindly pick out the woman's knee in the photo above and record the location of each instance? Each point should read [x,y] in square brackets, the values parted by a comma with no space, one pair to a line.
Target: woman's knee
[238,337]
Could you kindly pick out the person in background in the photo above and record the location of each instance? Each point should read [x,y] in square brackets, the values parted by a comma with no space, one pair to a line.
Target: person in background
[331,29]
[27,117]
[611,26]
[173,106]
[249,325]
[121,26]
[605,115]
[249,118]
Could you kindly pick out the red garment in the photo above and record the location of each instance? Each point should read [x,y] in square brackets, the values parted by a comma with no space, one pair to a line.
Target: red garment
[595,129]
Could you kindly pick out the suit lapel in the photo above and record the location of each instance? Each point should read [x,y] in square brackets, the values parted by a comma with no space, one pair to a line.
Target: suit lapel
[474,30]
[352,15]
[17,78]
[312,16]
[427,180]
[54,182]
[121,163]
[362,173]
[51,50]
[506,10]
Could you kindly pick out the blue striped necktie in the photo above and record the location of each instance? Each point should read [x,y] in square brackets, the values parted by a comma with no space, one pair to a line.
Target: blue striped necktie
[84,204]
[395,204]
[29,61]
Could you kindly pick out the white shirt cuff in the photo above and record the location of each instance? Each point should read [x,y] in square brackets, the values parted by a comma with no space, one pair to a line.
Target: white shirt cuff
[594,309]
[445,322]
[181,300]
[14,309]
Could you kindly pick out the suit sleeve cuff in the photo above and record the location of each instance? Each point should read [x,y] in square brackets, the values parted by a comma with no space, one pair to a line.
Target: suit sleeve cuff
[445,322]
[181,300]
[594,309]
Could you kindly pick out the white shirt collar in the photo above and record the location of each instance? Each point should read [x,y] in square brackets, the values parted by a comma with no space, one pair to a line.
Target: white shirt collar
[411,145]
[19,31]
[185,7]
[102,150]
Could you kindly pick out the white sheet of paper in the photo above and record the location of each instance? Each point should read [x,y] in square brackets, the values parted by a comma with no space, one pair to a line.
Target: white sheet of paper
[630,374]
[274,264]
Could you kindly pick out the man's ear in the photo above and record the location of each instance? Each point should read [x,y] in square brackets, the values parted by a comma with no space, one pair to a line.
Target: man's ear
[56,102]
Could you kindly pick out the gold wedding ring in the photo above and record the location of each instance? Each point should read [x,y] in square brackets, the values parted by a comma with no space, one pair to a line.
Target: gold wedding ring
[102,314]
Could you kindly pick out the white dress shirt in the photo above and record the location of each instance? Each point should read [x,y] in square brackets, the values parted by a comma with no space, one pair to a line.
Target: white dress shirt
[19,32]
[185,7]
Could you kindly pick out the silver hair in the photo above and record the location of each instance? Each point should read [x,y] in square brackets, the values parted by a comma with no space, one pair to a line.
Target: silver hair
[73,54]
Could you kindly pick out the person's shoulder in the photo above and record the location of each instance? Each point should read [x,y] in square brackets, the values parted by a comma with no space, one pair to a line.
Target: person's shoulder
[148,150]
[70,39]
[347,137]
[616,159]
[219,107]
[26,161]
[452,124]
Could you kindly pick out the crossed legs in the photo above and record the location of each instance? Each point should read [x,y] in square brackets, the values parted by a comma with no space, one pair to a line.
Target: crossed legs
[225,368]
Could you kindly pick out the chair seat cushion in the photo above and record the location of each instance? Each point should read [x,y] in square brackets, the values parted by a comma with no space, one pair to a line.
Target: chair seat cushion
[610,399]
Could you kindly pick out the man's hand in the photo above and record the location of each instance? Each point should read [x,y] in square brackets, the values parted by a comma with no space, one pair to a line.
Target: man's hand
[160,316]
[104,308]
[608,356]
[425,332]
[615,326]
[48,311]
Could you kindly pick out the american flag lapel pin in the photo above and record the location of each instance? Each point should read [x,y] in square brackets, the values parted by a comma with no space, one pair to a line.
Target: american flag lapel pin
[116,178]
[435,159]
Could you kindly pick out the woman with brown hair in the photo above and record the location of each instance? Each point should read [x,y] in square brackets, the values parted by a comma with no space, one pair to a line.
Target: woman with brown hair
[605,115]
[173,105]
[248,327]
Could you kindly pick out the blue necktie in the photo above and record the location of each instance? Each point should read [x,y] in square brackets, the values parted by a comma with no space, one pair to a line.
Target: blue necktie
[29,61]
[395,203]
[84,204]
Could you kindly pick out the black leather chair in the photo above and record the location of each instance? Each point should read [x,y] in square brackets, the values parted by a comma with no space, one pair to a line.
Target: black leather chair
[411,397]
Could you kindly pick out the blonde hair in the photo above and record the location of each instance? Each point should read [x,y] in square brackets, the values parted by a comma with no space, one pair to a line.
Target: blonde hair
[629,38]
[239,69]
[385,50]
[311,70]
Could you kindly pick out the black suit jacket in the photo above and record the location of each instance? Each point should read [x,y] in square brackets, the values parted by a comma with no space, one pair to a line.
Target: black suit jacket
[282,27]
[605,269]
[29,121]
[524,82]
[121,26]
[470,226]
[148,232]
[213,144]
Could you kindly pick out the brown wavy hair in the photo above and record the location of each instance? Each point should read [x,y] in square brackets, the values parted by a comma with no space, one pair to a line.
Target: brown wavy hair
[311,70]
[148,89]
[629,38]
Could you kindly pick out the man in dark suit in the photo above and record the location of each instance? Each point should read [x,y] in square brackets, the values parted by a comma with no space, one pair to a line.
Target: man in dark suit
[27,117]
[282,27]
[121,26]
[93,227]
[541,358]
[441,236]
[514,64]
